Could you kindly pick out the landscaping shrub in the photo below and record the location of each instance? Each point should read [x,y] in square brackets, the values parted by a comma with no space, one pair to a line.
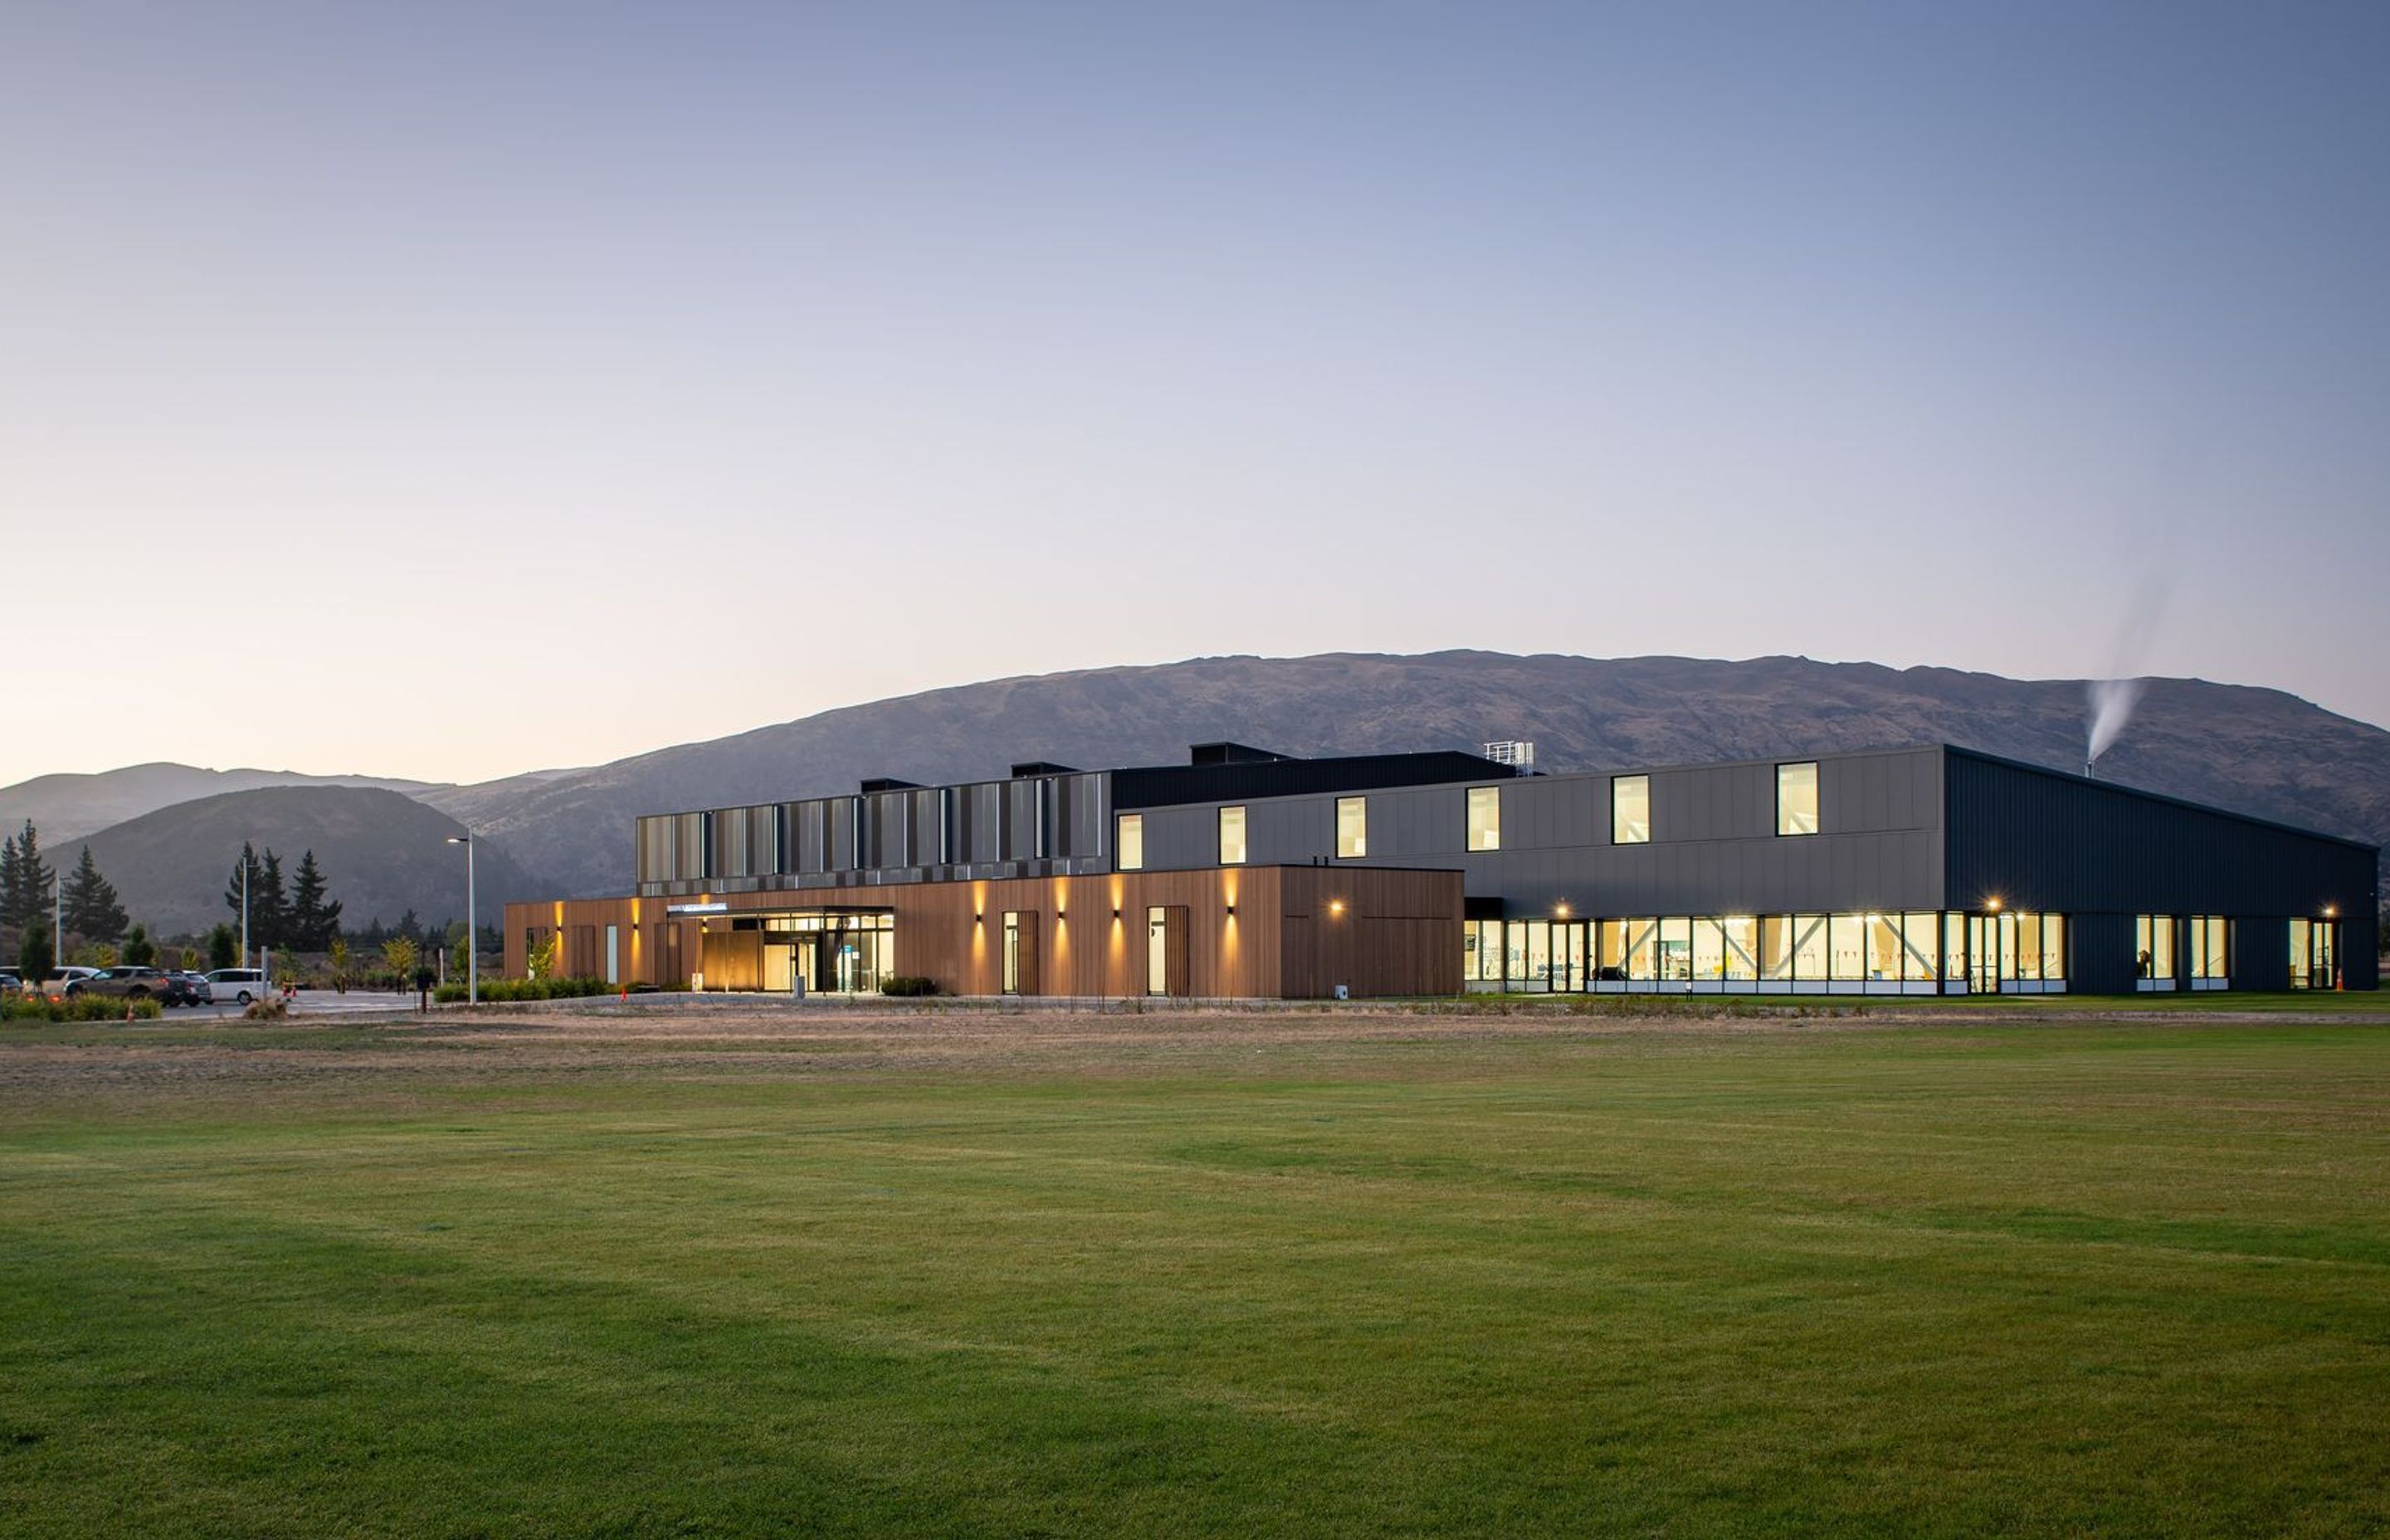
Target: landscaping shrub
[907,983]
[82,1007]
[504,990]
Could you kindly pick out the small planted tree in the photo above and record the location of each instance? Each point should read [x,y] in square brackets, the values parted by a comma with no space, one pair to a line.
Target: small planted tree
[224,947]
[540,962]
[338,955]
[139,950]
[36,955]
[398,955]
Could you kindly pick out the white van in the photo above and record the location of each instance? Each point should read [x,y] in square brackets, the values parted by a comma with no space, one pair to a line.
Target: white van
[243,985]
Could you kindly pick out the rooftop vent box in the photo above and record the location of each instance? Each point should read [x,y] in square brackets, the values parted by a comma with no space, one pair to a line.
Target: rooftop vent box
[1230,753]
[888,783]
[1041,767]
[1519,753]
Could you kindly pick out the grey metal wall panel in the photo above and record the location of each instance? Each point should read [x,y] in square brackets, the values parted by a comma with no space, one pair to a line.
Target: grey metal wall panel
[838,815]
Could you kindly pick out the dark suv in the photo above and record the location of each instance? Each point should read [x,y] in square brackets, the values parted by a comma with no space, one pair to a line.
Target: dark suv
[126,983]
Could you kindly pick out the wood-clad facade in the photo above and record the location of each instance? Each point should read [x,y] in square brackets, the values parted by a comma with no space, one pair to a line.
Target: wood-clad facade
[1261,932]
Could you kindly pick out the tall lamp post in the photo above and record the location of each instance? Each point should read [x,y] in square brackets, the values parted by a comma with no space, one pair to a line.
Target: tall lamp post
[473,926]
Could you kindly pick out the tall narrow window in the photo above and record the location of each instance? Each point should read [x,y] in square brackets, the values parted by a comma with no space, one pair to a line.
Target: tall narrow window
[1233,836]
[1128,845]
[2208,957]
[1796,798]
[2154,948]
[1484,818]
[1352,827]
[1630,810]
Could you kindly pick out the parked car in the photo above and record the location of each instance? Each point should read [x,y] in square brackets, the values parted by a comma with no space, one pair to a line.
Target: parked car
[9,982]
[123,984]
[59,982]
[200,992]
[243,985]
[185,989]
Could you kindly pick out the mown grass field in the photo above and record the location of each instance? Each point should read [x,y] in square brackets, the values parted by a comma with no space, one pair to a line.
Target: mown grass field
[663,1275]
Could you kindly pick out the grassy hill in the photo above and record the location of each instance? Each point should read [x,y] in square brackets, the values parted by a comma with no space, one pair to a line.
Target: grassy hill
[69,806]
[382,852]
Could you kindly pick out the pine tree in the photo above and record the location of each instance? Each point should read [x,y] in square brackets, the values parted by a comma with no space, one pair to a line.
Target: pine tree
[224,947]
[239,894]
[312,922]
[90,903]
[269,906]
[24,881]
[408,928]
[139,950]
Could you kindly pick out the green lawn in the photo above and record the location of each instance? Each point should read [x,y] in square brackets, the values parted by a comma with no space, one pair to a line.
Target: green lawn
[2050,1277]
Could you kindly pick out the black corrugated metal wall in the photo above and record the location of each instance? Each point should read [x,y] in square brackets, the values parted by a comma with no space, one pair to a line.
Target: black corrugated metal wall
[2034,838]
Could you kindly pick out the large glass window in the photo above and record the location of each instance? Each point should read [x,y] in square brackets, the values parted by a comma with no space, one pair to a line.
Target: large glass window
[1642,938]
[1741,935]
[1776,947]
[1482,950]
[2154,947]
[2313,965]
[1921,948]
[1609,950]
[1352,827]
[1675,948]
[1796,798]
[1883,948]
[1809,946]
[1233,836]
[1128,843]
[1630,810]
[2028,946]
[2210,957]
[1848,951]
[1484,818]
[1709,950]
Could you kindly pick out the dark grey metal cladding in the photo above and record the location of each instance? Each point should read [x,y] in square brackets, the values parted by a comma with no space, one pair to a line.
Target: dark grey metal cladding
[2036,838]
[1714,846]
[1245,781]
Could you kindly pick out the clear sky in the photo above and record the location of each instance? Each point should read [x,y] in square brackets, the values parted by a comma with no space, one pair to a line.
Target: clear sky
[452,390]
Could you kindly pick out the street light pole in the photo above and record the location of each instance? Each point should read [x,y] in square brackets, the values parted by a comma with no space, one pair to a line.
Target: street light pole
[473,926]
[244,907]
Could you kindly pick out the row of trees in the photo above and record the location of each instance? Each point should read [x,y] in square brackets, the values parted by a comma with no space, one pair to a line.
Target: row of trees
[86,903]
[303,918]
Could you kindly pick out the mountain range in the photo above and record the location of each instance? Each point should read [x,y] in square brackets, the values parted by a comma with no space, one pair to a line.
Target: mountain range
[568,832]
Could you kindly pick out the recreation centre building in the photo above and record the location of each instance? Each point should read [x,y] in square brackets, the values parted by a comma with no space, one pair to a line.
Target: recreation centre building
[1242,873]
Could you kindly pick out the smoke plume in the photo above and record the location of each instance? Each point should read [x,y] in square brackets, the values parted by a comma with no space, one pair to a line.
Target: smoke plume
[2112,699]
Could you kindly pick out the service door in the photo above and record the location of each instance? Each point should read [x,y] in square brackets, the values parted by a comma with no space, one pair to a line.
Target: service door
[1165,949]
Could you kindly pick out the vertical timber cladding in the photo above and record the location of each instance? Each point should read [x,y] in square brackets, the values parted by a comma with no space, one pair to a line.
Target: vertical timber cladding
[953,932]
[1394,932]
